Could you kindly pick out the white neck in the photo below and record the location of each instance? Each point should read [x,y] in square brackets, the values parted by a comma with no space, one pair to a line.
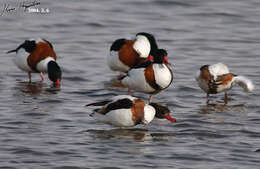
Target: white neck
[42,66]
[149,113]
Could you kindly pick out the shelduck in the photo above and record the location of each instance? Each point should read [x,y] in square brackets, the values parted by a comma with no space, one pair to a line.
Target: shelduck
[127,111]
[38,56]
[216,78]
[149,77]
[125,54]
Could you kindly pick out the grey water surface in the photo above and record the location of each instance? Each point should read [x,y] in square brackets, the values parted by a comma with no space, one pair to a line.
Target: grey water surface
[42,127]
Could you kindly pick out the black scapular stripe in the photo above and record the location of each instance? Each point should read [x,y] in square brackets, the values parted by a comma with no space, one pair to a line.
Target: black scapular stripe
[120,104]
[28,45]
[101,103]
[117,45]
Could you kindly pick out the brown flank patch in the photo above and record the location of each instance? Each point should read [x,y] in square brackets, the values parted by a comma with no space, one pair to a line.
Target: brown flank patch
[205,75]
[225,79]
[127,54]
[150,78]
[42,51]
[213,85]
[138,111]
[208,78]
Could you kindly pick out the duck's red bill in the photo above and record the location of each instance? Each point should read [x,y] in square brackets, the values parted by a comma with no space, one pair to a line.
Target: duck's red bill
[165,60]
[150,58]
[57,83]
[171,119]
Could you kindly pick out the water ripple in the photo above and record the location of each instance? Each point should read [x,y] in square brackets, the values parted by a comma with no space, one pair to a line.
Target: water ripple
[45,127]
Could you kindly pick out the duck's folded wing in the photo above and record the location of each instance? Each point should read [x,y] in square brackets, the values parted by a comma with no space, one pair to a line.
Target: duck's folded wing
[101,103]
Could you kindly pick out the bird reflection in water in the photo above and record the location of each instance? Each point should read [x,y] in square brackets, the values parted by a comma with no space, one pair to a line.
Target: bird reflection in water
[35,88]
[136,134]
[211,108]
[114,83]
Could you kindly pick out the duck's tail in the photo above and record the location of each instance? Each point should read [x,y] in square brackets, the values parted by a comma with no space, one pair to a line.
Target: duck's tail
[244,82]
[11,51]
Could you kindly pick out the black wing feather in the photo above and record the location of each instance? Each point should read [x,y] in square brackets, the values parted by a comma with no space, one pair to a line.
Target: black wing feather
[120,104]
[143,65]
[117,44]
[28,45]
[101,103]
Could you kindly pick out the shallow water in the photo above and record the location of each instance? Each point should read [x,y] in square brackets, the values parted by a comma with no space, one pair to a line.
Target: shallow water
[45,127]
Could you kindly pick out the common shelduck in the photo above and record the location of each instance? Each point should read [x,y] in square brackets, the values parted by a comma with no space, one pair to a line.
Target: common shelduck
[38,56]
[216,78]
[125,54]
[127,111]
[149,77]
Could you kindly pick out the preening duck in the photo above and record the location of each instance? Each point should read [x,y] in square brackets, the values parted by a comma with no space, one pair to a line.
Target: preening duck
[125,54]
[149,77]
[216,78]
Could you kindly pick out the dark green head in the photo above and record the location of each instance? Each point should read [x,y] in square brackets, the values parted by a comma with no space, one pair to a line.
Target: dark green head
[54,72]
[162,112]
[160,55]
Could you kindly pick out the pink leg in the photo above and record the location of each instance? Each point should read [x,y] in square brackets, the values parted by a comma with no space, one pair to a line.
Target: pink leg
[150,98]
[207,99]
[129,91]
[225,98]
[121,75]
[30,77]
[41,74]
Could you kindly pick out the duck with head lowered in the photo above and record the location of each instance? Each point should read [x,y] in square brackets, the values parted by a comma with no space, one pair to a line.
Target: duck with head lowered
[127,111]
[38,56]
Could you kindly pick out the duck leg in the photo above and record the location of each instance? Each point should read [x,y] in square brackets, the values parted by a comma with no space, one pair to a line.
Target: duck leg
[129,91]
[42,76]
[207,99]
[225,98]
[150,98]
[30,77]
[121,75]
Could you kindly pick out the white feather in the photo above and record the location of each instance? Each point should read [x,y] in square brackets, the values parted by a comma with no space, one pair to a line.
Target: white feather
[119,117]
[218,69]
[142,46]
[124,117]
[163,76]
[197,75]
[20,60]
[244,82]
[149,113]
[115,64]
[42,66]
[222,88]
[136,81]
[37,40]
